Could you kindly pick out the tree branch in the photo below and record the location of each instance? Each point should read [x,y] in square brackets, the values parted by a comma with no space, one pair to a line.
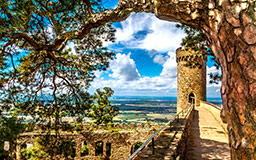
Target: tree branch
[25,37]
[120,13]
[88,6]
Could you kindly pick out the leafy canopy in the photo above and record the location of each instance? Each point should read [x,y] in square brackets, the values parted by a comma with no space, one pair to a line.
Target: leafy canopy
[50,77]
[49,55]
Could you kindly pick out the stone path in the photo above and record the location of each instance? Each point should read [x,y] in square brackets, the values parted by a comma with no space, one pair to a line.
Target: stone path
[208,139]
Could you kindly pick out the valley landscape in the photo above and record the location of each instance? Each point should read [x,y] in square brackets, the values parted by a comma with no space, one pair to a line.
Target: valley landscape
[140,109]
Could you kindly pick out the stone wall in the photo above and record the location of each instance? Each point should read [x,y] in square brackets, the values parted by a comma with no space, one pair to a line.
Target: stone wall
[183,142]
[191,76]
[121,137]
[171,142]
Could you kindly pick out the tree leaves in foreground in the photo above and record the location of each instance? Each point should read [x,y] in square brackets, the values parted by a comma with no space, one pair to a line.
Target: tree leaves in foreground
[10,128]
[45,68]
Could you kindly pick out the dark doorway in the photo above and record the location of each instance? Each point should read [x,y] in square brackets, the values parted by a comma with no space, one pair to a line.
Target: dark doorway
[191,98]
[99,148]
[85,149]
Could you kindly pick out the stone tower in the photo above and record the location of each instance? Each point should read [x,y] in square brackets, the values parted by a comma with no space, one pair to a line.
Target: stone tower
[191,77]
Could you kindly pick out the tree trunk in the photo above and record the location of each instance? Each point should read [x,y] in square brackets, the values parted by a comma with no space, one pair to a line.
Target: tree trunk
[231,32]
[230,27]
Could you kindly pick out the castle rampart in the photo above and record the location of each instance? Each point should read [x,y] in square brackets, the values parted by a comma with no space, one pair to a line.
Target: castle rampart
[117,140]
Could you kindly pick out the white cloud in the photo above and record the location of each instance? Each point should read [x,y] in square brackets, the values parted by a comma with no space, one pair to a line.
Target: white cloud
[160,59]
[212,70]
[158,35]
[163,85]
[124,68]
[125,77]
[170,66]
[132,25]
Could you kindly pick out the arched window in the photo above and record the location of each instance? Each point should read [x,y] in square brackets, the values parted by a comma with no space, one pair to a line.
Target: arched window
[191,98]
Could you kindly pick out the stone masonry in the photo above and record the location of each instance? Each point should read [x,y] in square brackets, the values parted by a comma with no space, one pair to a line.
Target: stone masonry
[191,77]
[121,137]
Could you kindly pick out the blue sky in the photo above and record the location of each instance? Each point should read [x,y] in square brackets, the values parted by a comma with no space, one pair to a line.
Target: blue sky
[145,63]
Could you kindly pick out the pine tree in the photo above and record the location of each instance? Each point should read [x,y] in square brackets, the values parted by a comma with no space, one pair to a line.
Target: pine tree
[46,69]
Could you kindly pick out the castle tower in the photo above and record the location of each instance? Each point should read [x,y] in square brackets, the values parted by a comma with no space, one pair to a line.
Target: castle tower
[191,77]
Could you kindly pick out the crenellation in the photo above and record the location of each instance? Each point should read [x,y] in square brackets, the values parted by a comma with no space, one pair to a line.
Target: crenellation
[132,125]
[191,77]
[123,126]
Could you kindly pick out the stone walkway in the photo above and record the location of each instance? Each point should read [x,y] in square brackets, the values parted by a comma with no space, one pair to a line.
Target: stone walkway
[208,139]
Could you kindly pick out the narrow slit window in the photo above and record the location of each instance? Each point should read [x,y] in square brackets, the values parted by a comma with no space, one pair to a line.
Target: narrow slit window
[73,149]
[108,149]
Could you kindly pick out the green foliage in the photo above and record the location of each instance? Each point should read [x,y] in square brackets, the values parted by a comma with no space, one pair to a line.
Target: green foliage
[148,122]
[196,40]
[102,111]
[85,149]
[137,146]
[35,152]
[46,69]
[10,127]
[54,68]
[43,148]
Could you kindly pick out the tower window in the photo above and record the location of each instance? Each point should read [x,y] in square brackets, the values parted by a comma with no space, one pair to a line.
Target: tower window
[191,98]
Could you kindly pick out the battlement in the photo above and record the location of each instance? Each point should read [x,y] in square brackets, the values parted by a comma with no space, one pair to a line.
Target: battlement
[191,77]
[106,127]
[188,54]
[122,126]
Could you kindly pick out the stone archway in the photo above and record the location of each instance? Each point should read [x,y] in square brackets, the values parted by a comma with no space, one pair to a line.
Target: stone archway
[231,32]
[230,27]
[191,98]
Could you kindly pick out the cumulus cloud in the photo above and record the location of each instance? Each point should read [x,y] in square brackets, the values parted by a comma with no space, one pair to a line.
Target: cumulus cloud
[170,66]
[164,85]
[132,25]
[158,37]
[145,31]
[160,59]
[212,70]
[124,68]
[125,77]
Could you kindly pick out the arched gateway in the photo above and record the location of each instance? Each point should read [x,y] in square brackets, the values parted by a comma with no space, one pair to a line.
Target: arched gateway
[230,28]
[231,32]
